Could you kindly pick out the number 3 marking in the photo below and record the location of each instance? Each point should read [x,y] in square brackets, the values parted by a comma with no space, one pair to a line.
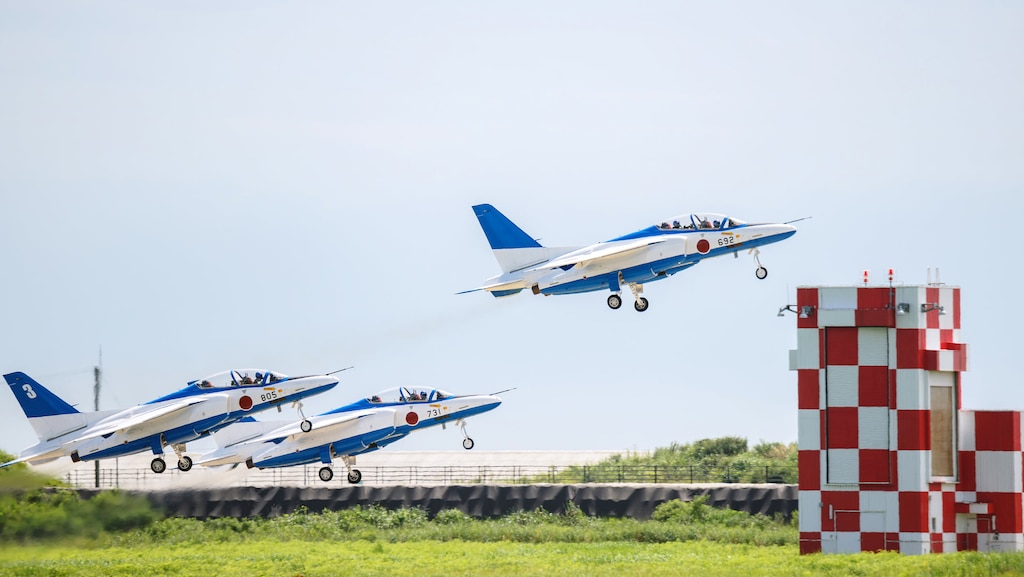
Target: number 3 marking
[28,391]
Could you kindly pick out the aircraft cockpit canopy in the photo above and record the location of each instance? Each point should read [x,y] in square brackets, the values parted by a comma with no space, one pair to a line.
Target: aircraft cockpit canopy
[700,221]
[239,378]
[409,395]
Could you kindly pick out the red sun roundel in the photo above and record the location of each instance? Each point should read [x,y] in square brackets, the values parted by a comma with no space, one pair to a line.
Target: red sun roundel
[412,418]
[245,402]
[703,246]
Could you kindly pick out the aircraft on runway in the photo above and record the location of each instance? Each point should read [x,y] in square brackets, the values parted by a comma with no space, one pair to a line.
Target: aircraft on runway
[363,426]
[653,253]
[203,406]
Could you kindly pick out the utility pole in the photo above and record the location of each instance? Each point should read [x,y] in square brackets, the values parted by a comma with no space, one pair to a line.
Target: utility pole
[97,372]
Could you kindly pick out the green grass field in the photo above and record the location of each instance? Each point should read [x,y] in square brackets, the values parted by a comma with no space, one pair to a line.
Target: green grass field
[427,558]
[55,533]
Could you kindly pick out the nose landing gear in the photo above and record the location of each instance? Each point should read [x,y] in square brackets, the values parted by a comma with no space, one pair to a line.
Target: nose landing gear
[306,425]
[761,272]
[467,443]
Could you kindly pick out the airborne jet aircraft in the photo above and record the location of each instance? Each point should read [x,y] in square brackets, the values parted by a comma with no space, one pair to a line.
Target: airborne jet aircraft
[204,406]
[360,427]
[653,253]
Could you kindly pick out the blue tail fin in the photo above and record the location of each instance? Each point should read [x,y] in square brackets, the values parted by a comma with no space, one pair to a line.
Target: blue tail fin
[501,232]
[36,400]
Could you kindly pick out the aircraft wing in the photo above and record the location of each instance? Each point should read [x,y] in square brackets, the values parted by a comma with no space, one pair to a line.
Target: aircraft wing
[145,415]
[499,286]
[249,445]
[43,456]
[599,251]
[321,425]
[245,430]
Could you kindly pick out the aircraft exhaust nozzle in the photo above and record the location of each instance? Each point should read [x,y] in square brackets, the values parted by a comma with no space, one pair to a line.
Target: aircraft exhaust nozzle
[535,288]
[75,458]
[249,463]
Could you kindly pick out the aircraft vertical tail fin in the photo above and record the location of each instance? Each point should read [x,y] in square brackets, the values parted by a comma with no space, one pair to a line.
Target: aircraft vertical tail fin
[513,248]
[50,415]
[501,232]
[35,399]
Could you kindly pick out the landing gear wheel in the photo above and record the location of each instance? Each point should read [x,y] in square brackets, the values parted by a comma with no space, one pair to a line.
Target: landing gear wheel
[614,302]
[761,273]
[640,304]
[185,463]
[354,476]
[158,465]
[467,443]
[326,474]
[306,426]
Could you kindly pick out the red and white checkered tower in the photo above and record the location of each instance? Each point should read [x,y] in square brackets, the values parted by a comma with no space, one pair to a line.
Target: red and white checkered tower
[888,461]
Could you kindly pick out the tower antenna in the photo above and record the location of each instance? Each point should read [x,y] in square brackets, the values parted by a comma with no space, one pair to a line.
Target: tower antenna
[97,373]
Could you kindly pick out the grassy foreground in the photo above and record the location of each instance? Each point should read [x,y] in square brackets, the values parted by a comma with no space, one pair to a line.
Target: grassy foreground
[55,533]
[428,558]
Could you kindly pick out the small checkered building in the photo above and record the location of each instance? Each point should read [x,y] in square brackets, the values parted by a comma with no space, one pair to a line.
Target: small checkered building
[888,460]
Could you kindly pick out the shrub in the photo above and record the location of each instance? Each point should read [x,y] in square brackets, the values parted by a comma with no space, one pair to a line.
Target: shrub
[451,517]
[18,477]
[40,514]
[698,511]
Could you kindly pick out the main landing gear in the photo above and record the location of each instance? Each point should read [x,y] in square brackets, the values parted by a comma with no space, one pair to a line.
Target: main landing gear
[158,465]
[640,304]
[326,474]
[184,461]
[354,475]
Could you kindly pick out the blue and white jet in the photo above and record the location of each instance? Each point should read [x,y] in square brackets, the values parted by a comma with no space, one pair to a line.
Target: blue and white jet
[360,427]
[204,406]
[647,255]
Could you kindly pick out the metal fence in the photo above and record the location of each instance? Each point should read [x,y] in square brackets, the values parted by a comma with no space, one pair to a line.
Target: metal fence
[306,476]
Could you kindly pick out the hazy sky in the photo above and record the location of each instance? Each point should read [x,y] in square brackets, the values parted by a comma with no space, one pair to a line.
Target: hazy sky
[197,186]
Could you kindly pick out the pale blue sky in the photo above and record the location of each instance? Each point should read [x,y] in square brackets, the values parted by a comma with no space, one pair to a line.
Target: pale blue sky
[288,185]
